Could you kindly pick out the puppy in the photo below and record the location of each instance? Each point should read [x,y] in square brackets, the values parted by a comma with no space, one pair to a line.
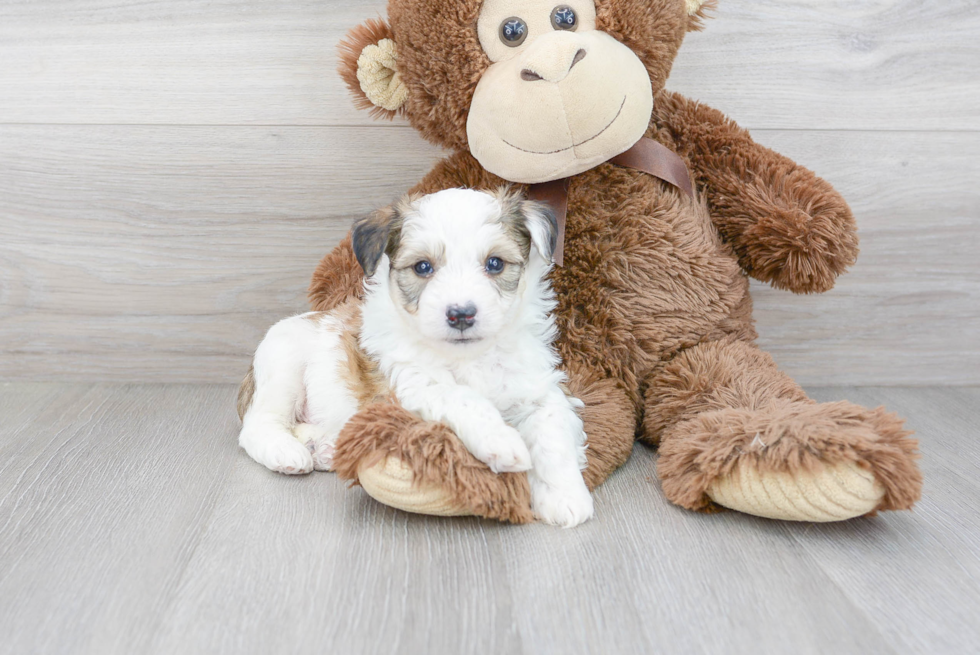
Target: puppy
[456,325]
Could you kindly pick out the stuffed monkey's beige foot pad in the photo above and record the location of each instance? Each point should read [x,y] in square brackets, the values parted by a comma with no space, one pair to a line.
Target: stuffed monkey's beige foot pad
[833,493]
[390,482]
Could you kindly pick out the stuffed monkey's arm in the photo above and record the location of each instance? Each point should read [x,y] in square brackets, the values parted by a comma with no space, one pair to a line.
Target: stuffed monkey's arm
[337,278]
[788,227]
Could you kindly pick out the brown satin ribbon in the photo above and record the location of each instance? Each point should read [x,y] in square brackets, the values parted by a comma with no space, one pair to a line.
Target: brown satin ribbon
[646,155]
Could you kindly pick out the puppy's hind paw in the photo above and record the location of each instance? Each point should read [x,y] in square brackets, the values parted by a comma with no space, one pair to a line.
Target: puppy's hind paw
[287,456]
[323,455]
[320,442]
[565,508]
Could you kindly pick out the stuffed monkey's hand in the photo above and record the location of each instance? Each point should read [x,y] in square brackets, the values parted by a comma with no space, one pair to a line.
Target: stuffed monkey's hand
[787,226]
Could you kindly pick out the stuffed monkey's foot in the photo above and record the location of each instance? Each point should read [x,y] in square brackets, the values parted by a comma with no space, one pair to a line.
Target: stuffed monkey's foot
[792,460]
[833,493]
[733,430]
[391,482]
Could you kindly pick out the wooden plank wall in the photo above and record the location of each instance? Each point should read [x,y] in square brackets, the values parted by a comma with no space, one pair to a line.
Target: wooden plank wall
[170,173]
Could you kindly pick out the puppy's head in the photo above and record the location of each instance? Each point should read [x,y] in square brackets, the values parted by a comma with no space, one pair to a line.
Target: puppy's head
[458,259]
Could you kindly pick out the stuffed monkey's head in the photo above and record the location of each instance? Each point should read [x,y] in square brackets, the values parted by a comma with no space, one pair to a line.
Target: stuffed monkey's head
[536,90]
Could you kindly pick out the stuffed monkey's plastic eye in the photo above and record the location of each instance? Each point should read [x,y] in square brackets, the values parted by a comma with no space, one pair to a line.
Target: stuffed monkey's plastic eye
[563,18]
[513,31]
[423,269]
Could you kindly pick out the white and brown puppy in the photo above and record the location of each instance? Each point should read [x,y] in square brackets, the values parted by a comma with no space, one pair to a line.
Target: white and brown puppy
[457,323]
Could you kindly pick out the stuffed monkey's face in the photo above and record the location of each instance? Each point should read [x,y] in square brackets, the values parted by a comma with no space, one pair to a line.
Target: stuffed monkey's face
[560,96]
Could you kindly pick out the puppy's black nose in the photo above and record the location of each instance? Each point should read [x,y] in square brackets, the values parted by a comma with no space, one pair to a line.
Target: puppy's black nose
[461,318]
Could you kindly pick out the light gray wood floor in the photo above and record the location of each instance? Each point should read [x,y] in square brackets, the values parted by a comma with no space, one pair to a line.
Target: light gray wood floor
[130,522]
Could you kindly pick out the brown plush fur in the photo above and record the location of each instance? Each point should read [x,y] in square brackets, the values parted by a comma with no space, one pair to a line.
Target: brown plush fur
[337,279]
[654,314]
[787,226]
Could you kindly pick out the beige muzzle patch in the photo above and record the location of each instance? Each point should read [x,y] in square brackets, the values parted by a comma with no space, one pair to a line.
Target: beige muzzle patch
[378,76]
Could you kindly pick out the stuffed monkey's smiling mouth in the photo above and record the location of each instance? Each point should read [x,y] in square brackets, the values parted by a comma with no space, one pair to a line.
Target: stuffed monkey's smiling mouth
[574,145]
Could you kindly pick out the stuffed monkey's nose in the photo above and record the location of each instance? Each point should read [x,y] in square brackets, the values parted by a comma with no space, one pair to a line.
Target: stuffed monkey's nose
[552,59]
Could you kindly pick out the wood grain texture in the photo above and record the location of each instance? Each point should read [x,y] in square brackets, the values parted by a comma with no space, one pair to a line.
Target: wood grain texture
[812,64]
[909,311]
[133,523]
[102,499]
[164,253]
[932,552]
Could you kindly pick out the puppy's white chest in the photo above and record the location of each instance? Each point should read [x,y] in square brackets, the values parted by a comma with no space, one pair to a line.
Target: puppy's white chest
[500,383]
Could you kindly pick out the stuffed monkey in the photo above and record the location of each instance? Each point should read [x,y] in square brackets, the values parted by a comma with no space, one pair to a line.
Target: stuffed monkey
[669,207]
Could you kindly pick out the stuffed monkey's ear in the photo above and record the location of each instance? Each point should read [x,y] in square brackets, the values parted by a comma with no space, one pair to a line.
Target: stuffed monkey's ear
[375,235]
[543,226]
[698,10]
[367,64]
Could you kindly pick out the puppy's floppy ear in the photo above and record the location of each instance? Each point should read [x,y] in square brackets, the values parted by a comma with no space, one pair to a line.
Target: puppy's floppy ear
[375,235]
[368,57]
[543,226]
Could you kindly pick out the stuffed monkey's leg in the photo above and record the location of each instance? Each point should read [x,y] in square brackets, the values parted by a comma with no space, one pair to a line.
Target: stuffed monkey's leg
[422,467]
[733,429]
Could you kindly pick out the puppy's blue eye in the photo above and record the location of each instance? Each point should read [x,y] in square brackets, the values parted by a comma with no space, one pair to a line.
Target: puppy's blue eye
[494,265]
[423,268]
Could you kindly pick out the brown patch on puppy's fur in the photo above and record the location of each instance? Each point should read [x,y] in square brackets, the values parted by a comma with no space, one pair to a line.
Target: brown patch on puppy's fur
[508,280]
[514,251]
[410,286]
[408,283]
[363,375]
[245,393]
[514,220]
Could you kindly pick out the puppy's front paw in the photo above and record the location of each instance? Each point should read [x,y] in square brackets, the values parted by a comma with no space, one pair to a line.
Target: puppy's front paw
[320,442]
[502,449]
[565,506]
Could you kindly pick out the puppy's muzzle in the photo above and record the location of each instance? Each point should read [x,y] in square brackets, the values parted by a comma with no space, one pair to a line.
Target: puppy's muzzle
[461,318]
